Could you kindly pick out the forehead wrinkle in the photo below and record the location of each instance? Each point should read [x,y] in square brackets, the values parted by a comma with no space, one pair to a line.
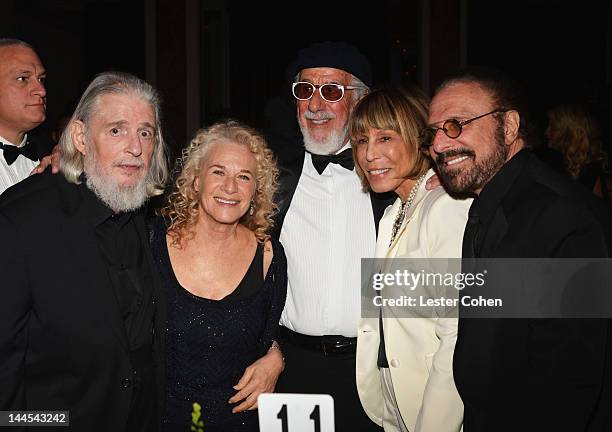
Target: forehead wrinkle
[146,125]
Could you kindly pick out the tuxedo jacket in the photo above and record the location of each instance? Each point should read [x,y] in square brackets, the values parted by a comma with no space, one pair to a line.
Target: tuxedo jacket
[63,344]
[41,142]
[290,172]
[536,374]
[419,350]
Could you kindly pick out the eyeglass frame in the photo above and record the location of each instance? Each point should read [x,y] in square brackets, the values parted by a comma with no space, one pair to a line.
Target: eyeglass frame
[319,86]
[459,124]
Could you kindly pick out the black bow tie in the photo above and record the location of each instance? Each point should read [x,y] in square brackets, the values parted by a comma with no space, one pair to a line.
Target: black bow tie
[11,152]
[344,158]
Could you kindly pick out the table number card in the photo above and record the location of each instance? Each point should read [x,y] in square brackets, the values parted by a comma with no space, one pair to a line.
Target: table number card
[288,412]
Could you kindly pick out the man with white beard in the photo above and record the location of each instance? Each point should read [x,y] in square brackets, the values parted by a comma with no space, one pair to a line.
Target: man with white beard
[326,223]
[79,316]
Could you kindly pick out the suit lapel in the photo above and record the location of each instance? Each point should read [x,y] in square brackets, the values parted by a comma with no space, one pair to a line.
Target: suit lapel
[288,180]
[496,232]
[146,233]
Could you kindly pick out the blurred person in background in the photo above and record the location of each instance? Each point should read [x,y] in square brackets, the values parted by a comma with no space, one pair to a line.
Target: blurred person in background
[573,133]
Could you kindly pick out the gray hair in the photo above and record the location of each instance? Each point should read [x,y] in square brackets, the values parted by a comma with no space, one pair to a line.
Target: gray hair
[361,89]
[71,160]
[4,42]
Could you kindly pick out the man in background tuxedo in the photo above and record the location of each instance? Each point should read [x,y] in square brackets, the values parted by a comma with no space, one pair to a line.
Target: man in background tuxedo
[519,374]
[22,108]
[81,311]
[326,223]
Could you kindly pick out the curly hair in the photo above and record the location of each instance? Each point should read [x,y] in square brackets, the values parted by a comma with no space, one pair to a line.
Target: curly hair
[570,131]
[182,206]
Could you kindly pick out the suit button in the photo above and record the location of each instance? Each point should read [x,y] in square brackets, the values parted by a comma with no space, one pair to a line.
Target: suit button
[126,383]
[395,363]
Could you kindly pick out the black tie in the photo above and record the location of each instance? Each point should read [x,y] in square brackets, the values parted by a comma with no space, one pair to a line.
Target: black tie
[11,152]
[344,158]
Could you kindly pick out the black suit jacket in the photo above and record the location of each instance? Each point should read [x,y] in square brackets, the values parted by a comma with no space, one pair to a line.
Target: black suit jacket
[536,374]
[63,344]
[42,143]
[290,172]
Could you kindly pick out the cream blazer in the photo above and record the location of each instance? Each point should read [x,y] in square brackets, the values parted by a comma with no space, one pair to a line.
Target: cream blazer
[419,350]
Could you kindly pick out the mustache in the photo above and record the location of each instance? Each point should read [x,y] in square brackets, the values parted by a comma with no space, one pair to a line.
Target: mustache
[131,161]
[441,158]
[319,115]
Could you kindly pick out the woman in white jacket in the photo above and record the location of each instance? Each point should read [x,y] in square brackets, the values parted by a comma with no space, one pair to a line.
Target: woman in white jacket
[406,383]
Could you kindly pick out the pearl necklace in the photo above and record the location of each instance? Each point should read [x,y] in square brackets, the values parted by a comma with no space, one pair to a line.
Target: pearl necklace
[401,215]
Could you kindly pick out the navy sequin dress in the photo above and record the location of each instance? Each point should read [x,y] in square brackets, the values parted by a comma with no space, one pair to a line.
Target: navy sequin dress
[209,343]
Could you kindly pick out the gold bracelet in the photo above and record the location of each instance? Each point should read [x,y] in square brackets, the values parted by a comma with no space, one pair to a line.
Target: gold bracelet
[276,346]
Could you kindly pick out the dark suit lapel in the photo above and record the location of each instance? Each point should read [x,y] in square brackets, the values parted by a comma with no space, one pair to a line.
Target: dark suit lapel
[496,232]
[145,232]
[288,180]
[497,203]
[41,144]
[160,310]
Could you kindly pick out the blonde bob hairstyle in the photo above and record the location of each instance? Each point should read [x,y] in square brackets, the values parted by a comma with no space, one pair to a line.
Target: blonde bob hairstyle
[401,110]
[72,161]
[183,203]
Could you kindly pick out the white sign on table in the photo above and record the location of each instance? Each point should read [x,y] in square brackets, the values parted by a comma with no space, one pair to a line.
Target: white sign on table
[289,412]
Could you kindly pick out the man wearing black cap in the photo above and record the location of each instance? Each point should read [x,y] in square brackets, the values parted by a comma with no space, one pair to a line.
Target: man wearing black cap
[22,108]
[327,224]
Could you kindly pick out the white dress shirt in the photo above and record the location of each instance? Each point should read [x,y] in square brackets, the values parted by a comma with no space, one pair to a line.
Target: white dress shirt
[18,170]
[328,228]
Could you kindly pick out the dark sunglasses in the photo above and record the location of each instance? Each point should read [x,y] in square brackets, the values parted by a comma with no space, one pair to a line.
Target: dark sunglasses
[303,90]
[452,128]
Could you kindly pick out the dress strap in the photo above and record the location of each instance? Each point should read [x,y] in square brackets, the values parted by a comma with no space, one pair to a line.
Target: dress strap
[253,278]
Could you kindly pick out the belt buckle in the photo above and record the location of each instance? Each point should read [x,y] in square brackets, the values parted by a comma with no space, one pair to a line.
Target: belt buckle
[342,347]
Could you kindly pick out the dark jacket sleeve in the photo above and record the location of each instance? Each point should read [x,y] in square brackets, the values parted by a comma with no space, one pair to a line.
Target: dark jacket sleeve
[567,356]
[14,314]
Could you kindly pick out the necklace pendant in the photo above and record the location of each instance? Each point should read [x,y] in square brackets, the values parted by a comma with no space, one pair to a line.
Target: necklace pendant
[403,211]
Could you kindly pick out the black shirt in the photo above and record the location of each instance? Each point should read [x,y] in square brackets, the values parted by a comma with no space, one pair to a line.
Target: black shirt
[130,276]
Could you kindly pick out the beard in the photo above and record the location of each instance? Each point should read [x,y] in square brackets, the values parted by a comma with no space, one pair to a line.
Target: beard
[118,197]
[462,182]
[327,145]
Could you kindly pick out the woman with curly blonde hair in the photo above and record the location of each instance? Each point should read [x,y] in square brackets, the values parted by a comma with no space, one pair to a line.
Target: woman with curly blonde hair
[224,278]
[571,132]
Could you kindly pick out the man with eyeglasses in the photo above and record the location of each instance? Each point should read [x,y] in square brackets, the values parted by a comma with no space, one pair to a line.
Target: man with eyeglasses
[519,374]
[326,223]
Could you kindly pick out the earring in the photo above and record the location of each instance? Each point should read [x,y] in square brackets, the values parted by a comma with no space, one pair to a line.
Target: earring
[251,209]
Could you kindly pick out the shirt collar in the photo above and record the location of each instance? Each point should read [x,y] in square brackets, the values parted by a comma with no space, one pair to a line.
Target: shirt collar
[492,194]
[344,147]
[97,211]
[21,144]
